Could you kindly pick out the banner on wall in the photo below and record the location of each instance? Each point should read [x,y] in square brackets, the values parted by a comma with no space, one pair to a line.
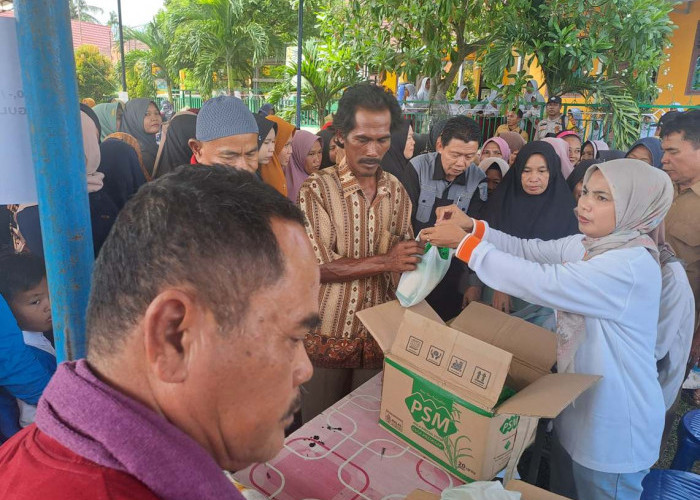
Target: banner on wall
[17,183]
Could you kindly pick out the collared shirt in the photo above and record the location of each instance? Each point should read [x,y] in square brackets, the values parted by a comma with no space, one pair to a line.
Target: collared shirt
[549,126]
[467,190]
[342,222]
[517,130]
[683,234]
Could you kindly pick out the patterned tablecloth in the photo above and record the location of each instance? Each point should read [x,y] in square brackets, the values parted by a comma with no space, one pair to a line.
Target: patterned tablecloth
[344,454]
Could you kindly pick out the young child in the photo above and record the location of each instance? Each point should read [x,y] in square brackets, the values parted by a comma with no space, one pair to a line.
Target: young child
[24,288]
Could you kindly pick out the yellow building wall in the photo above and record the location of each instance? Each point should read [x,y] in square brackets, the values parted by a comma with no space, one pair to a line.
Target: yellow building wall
[673,74]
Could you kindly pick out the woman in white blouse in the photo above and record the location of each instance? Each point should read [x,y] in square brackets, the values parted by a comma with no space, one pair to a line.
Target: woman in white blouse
[605,285]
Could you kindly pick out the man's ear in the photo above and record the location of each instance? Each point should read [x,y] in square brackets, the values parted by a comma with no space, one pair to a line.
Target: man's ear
[170,325]
[196,147]
[339,139]
[438,145]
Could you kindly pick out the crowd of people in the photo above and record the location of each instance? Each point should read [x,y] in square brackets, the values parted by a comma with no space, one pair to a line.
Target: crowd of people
[533,116]
[233,252]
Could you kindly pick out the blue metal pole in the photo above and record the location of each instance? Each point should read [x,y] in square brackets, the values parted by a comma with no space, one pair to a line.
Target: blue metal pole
[51,94]
[299,44]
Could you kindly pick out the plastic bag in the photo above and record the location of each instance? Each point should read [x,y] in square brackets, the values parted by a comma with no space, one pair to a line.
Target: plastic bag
[480,490]
[414,286]
[693,380]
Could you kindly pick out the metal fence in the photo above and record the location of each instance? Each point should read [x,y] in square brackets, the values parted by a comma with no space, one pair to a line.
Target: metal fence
[592,121]
[182,100]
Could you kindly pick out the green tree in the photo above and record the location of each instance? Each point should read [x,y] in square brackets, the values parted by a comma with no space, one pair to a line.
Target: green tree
[218,37]
[323,77]
[158,36]
[415,38]
[140,81]
[82,11]
[95,73]
[608,51]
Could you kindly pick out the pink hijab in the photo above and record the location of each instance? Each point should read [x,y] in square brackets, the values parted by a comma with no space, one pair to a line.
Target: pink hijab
[295,173]
[502,145]
[562,149]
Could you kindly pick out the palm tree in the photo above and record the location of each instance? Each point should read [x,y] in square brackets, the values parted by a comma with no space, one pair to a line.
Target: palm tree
[158,36]
[321,82]
[219,36]
[80,10]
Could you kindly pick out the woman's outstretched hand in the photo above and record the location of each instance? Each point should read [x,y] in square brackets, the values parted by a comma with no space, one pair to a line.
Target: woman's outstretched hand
[453,215]
[445,235]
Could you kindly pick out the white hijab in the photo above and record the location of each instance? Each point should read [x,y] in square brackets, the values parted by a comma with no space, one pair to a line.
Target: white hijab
[457,97]
[423,93]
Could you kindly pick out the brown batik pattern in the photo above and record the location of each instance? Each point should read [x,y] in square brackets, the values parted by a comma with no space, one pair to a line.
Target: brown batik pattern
[341,222]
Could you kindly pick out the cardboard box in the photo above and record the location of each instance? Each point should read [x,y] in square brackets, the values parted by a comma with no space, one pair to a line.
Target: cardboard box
[527,491]
[469,394]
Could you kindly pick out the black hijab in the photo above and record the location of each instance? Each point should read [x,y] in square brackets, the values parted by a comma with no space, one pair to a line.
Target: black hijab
[132,123]
[327,135]
[421,144]
[396,163]
[547,216]
[123,174]
[579,171]
[264,127]
[176,150]
[610,154]
[435,133]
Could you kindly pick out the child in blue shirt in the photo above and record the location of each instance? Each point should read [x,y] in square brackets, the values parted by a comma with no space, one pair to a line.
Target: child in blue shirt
[23,285]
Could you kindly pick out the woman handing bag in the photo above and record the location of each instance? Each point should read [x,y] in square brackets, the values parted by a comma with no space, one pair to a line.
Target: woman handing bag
[606,286]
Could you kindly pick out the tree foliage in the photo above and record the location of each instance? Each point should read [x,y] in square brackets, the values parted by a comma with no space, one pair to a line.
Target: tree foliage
[608,51]
[80,10]
[157,35]
[140,81]
[218,38]
[221,41]
[415,38]
[323,76]
[94,73]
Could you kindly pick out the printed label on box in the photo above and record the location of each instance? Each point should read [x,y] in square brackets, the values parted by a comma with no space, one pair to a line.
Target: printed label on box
[481,377]
[435,355]
[414,345]
[435,420]
[457,366]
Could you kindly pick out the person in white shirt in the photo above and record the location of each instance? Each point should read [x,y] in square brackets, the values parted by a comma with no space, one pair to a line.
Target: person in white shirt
[676,320]
[39,341]
[606,287]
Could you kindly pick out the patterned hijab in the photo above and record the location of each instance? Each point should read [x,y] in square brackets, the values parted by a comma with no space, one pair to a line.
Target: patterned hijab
[642,195]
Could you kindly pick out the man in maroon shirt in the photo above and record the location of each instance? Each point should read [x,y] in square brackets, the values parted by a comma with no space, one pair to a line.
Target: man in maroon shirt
[195,329]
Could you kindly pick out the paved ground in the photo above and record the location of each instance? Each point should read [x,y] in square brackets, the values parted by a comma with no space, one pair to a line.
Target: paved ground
[684,406]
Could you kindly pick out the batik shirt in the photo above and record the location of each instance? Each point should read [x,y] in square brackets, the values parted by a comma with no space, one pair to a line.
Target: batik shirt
[342,222]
